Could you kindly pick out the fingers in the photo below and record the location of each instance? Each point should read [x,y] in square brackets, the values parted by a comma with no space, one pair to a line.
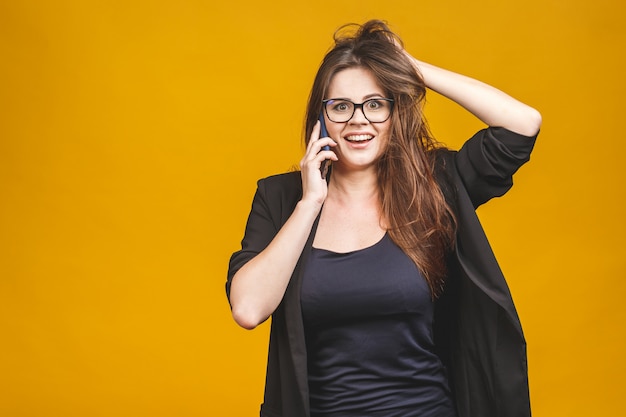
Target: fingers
[318,151]
[317,143]
[315,133]
[314,186]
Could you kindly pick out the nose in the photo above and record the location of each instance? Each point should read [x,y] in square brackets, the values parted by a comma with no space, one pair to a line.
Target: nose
[358,117]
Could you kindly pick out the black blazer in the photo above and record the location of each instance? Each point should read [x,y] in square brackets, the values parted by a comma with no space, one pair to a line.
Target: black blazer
[477,329]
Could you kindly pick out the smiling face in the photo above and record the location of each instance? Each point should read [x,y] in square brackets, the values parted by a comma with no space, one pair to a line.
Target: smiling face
[360,143]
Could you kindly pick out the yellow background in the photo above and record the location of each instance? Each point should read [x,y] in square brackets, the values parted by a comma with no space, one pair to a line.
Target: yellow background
[131,137]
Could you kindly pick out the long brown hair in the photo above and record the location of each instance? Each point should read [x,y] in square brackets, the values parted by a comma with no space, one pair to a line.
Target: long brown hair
[420,221]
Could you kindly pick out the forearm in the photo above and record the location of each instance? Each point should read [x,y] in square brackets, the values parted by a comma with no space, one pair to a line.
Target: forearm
[490,105]
[258,287]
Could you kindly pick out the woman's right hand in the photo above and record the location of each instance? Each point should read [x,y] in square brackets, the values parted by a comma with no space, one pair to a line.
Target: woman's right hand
[314,186]
[259,286]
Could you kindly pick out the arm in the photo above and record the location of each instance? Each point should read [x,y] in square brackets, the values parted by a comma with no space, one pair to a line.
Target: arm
[490,105]
[486,163]
[257,288]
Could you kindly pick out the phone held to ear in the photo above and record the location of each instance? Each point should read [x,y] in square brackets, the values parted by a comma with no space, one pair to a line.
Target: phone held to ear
[324,134]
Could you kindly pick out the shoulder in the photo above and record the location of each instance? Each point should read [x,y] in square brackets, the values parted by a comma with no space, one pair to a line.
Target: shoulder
[280,193]
[443,158]
[286,179]
[445,173]
[444,165]
[288,183]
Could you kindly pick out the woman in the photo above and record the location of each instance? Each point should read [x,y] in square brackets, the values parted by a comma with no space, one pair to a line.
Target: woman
[385,297]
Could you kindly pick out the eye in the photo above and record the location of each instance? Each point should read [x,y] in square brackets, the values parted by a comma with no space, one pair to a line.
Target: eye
[375,104]
[341,106]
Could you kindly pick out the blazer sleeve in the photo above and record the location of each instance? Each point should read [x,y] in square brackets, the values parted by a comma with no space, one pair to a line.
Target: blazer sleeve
[273,203]
[487,161]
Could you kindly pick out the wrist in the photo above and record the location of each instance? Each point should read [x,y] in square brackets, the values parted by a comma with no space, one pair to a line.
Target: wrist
[309,207]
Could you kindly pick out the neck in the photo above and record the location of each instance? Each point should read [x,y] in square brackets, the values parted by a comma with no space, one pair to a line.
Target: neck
[353,186]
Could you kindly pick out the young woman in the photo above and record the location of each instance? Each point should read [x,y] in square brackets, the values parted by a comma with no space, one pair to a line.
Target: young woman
[385,297]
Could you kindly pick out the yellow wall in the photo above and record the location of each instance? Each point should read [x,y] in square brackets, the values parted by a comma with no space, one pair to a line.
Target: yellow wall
[131,137]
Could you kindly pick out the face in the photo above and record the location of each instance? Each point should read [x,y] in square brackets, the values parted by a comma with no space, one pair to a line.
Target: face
[360,142]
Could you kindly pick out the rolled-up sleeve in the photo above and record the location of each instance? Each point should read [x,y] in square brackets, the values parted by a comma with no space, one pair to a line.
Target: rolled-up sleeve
[487,161]
[260,230]
[273,203]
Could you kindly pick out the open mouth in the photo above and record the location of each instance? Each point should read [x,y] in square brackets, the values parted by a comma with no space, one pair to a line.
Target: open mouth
[359,138]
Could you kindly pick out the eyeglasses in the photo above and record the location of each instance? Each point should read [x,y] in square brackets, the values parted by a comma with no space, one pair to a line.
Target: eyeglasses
[375,110]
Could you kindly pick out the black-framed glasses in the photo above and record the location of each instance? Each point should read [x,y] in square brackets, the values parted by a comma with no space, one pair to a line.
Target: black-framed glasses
[375,110]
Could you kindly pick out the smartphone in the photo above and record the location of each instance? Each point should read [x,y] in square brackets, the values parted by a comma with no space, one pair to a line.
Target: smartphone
[324,134]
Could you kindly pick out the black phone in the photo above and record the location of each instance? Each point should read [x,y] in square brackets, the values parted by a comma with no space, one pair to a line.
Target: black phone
[324,134]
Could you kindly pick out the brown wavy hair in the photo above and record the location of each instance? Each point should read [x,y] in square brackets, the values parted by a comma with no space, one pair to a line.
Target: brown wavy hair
[420,221]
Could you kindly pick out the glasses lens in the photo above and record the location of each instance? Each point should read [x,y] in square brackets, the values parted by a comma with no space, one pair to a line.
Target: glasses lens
[339,111]
[376,110]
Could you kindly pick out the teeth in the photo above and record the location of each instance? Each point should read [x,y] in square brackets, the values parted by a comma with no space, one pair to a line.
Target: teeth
[359,138]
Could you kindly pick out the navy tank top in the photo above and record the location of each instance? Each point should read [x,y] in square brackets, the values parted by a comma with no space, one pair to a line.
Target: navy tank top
[368,318]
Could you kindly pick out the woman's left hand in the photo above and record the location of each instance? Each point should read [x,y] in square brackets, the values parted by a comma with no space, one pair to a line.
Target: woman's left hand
[492,106]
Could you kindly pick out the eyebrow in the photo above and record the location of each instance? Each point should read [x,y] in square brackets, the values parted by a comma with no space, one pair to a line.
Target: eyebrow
[365,98]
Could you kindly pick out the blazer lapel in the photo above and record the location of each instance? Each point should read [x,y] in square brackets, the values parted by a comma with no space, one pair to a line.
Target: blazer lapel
[295,325]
